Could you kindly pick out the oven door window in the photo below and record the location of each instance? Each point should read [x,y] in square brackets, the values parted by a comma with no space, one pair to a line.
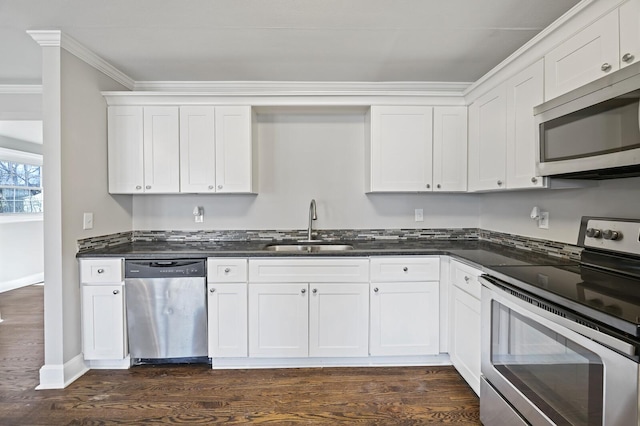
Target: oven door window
[563,379]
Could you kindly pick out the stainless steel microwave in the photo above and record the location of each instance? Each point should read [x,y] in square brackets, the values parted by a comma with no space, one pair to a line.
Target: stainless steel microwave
[592,132]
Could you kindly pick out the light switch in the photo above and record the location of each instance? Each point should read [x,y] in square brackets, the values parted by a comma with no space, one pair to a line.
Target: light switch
[87,221]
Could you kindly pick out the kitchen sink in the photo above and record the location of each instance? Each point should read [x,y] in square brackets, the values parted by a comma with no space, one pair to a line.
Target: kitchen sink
[308,247]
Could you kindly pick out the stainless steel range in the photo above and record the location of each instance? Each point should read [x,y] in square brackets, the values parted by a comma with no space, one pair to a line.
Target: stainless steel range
[561,344]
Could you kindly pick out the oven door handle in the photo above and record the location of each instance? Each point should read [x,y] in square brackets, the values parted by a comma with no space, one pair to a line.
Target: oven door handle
[595,335]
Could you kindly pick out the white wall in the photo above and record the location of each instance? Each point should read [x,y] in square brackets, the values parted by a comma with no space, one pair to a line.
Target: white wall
[304,156]
[20,106]
[75,181]
[509,212]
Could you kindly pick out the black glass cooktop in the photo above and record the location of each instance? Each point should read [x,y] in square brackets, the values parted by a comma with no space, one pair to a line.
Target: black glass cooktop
[612,299]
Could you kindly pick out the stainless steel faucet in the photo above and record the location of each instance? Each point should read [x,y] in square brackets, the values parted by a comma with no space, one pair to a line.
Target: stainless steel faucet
[312,216]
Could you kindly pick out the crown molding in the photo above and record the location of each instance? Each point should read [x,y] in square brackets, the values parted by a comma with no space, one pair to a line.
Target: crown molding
[56,38]
[297,88]
[21,89]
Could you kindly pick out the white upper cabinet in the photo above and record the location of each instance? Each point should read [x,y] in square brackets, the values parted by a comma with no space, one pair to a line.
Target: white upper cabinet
[587,56]
[125,150]
[524,91]
[629,15]
[399,149]
[161,150]
[190,149]
[502,145]
[234,149]
[450,148]
[488,140]
[197,149]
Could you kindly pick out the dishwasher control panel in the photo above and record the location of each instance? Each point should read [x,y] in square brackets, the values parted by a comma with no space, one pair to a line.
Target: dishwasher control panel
[164,268]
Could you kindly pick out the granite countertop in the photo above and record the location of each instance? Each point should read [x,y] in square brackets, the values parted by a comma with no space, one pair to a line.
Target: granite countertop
[481,253]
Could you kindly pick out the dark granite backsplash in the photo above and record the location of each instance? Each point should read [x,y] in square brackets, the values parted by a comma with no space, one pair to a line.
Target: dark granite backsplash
[556,249]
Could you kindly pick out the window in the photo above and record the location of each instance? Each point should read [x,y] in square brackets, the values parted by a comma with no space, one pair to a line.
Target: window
[20,183]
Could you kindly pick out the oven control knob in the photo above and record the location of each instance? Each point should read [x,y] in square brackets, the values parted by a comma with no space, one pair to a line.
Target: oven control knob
[608,234]
[594,233]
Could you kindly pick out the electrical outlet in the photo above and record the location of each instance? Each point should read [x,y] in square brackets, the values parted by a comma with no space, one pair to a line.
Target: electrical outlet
[199,218]
[543,222]
[419,215]
[87,221]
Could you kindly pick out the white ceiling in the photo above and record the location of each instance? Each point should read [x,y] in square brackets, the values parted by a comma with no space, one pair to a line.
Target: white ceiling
[279,40]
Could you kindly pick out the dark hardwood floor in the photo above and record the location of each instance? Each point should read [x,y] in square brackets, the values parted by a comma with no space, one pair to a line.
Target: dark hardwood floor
[195,394]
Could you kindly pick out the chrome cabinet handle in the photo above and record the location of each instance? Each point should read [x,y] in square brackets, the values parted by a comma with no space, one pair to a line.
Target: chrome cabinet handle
[375,290]
[627,57]
[428,186]
[219,186]
[148,187]
[116,291]
[138,186]
[466,279]
[499,183]
[534,180]
[212,290]
[405,269]
[210,186]
[315,290]
[303,291]
[438,186]
[100,271]
[605,67]
[227,270]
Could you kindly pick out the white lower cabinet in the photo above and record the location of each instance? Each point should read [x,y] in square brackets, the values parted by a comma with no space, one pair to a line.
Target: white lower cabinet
[278,320]
[464,322]
[339,320]
[404,318]
[103,322]
[227,320]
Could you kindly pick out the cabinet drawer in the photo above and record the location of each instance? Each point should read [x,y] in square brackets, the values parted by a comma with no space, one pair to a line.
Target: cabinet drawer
[405,269]
[465,278]
[308,270]
[96,271]
[226,270]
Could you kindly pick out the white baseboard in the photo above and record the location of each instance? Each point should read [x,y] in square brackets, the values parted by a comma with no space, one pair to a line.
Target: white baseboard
[21,282]
[60,376]
[108,364]
[372,361]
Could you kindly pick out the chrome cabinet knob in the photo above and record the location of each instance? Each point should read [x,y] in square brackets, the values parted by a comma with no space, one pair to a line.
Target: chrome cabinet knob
[499,183]
[138,186]
[315,290]
[405,269]
[148,187]
[303,291]
[212,290]
[608,234]
[605,67]
[219,186]
[210,186]
[438,186]
[428,186]
[466,279]
[100,271]
[627,57]
[227,270]
[375,290]
[534,180]
[594,233]
[116,291]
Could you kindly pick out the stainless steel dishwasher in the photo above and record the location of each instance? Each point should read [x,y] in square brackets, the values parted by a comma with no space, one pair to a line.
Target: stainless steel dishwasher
[166,311]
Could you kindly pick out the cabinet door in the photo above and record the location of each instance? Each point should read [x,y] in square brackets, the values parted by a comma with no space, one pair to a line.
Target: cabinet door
[197,149]
[161,150]
[401,148]
[103,322]
[588,55]
[487,141]
[227,320]
[339,320]
[234,171]
[404,318]
[450,149]
[629,15]
[278,320]
[524,91]
[464,340]
[125,150]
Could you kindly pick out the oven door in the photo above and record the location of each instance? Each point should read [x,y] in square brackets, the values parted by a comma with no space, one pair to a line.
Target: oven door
[550,372]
